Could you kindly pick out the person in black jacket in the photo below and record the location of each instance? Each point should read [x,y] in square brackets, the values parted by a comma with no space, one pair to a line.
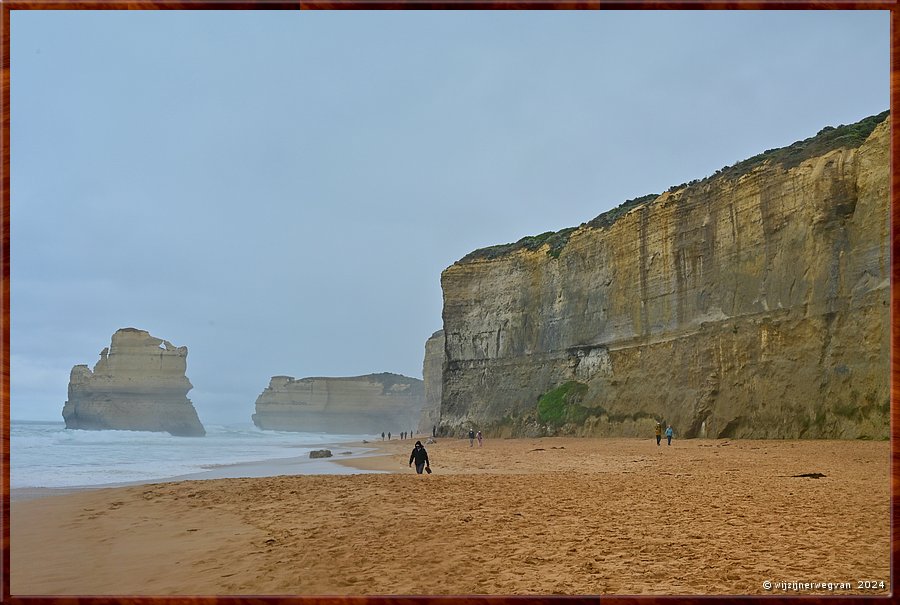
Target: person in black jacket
[420,456]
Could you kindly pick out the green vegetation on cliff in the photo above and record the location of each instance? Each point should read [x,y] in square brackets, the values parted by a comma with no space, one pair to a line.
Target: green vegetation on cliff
[562,404]
[609,217]
[556,240]
[827,139]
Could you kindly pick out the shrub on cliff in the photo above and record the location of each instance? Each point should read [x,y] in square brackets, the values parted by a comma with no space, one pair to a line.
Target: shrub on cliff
[606,220]
[561,405]
[555,240]
[828,139]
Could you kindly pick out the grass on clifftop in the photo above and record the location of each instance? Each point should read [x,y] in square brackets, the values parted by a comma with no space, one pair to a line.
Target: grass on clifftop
[827,139]
[556,240]
[609,217]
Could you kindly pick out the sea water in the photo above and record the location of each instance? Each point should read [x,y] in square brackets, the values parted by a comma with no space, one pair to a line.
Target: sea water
[46,454]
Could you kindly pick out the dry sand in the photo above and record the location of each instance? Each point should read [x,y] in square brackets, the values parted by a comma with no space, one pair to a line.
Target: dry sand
[516,517]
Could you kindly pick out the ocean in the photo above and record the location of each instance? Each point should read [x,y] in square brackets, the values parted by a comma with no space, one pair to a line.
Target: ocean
[46,454]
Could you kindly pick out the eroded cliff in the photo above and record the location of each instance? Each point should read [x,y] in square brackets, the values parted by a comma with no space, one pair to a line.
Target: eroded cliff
[356,405]
[754,303]
[432,374]
[139,384]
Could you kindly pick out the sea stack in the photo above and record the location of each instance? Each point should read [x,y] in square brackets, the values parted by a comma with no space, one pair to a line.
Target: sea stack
[139,384]
[357,405]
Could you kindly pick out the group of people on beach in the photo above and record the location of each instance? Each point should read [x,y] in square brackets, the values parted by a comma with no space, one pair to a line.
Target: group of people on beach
[420,456]
[403,435]
[659,433]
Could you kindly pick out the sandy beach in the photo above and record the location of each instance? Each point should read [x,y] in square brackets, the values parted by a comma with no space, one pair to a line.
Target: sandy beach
[515,517]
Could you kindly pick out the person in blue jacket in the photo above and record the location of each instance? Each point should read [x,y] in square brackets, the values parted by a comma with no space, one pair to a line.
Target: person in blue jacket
[669,434]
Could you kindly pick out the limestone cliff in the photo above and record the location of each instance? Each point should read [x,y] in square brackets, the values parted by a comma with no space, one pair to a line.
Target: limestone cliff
[432,373]
[754,303]
[356,405]
[139,384]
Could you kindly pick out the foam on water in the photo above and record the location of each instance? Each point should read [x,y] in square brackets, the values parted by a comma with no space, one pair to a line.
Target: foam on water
[46,454]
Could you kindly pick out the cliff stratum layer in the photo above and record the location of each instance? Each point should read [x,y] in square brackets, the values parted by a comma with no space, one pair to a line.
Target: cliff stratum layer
[139,384]
[754,303]
[356,405]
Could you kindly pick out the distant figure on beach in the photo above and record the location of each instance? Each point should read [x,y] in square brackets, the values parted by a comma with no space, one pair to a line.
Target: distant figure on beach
[420,456]
[471,438]
[434,430]
[402,435]
[480,437]
[382,435]
[658,433]
[389,435]
[669,434]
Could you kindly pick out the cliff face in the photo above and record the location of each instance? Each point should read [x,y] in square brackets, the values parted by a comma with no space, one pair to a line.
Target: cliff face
[363,404]
[751,304]
[432,373]
[139,384]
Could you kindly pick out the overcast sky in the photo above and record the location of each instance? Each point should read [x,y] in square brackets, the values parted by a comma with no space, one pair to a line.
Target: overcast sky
[280,191]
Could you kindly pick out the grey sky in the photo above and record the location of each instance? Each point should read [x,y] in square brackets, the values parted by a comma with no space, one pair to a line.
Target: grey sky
[280,191]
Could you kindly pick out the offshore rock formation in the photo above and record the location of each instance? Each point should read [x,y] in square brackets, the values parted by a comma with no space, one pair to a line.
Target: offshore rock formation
[357,405]
[432,373]
[139,384]
[754,303]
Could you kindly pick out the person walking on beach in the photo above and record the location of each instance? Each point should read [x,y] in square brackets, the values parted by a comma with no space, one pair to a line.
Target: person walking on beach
[420,456]
[471,438]
[669,434]
[480,437]
[434,430]
[658,433]
[382,435]
[389,435]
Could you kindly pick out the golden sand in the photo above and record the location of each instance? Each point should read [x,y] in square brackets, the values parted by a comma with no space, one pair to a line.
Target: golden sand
[515,517]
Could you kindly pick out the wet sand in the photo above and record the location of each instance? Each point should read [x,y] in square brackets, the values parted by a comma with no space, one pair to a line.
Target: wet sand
[515,517]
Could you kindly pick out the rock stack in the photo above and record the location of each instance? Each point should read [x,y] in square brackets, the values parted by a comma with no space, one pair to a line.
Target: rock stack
[139,384]
[366,404]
